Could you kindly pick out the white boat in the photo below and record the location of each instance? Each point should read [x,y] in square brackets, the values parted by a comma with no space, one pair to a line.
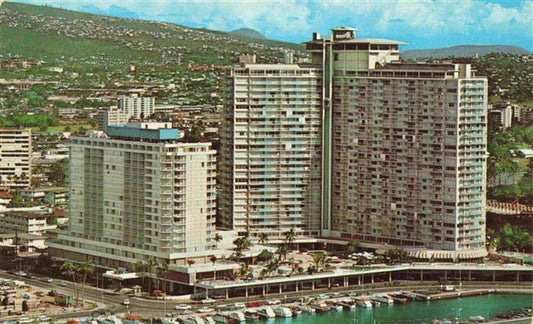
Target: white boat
[198,320]
[476,319]
[209,320]
[237,316]
[364,304]
[283,312]
[220,318]
[266,312]
[385,299]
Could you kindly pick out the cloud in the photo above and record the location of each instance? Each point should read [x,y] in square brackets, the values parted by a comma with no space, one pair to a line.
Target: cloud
[424,23]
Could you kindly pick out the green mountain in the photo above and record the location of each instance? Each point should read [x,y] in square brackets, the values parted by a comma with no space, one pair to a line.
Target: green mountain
[46,33]
[248,32]
[463,51]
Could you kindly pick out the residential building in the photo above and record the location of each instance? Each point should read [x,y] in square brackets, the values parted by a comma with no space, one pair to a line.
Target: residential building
[135,106]
[270,146]
[138,194]
[111,116]
[24,222]
[402,148]
[15,157]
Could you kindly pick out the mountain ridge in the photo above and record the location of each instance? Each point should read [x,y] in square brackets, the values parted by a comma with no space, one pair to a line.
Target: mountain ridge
[248,32]
[463,51]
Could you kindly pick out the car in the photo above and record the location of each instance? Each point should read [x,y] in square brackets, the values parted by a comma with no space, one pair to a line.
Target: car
[44,318]
[182,307]
[61,284]
[46,279]
[126,301]
[208,301]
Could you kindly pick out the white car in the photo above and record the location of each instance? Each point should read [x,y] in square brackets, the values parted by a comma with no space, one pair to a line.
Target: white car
[208,301]
[273,302]
[182,307]
[126,302]
[44,318]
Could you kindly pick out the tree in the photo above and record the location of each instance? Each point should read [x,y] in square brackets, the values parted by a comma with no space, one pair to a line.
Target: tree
[263,238]
[163,272]
[140,267]
[190,262]
[58,172]
[282,251]
[70,269]
[214,260]
[217,238]
[150,264]
[395,255]
[195,133]
[84,268]
[290,236]
[319,260]
[352,246]
[514,238]
[265,255]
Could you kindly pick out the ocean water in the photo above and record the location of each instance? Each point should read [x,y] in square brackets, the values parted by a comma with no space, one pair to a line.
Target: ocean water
[487,306]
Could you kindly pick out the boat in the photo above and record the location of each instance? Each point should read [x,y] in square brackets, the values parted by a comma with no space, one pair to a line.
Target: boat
[320,307]
[186,320]
[266,312]
[205,310]
[221,318]
[296,310]
[307,309]
[251,314]
[283,312]
[476,319]
[198,320]
[237,317]
[385,299]
[209,320]
[364,303]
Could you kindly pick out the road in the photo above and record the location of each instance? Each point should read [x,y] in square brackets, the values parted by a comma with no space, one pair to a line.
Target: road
[113,302]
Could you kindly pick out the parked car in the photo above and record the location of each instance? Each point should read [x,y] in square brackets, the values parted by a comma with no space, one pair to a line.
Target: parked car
[46,279]
[126,302]
[182,307]
[61,284]
[208,301]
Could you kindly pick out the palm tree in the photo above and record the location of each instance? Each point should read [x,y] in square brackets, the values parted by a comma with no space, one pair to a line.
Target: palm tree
[282,251]
[85,268]
[214,259]
[290,236]
[140,267]
[70,270]
[150,264]
[263,238]
[163,271]
[352,246]
[217,238]
[190,262]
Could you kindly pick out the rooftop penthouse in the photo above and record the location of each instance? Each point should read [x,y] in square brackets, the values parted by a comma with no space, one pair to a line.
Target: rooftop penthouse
[144,131]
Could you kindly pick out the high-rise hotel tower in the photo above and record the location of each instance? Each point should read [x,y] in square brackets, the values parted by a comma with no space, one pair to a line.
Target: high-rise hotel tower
[402,149]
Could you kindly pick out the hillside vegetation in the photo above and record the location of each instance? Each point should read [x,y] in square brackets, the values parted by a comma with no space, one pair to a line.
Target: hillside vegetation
[47,33]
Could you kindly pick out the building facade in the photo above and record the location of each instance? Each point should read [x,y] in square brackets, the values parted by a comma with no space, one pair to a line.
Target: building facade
[24,222]
[137,194]
[270,142]
[135,106]
[15,157]
[402,148]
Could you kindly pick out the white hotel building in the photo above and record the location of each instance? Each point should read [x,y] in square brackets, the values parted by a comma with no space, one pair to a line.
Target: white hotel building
[138,194]
[395,151]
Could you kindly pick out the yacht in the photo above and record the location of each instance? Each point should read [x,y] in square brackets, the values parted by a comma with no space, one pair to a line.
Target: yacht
[237,317]
[266,312]
[283,312]
[385,299]
[364,303]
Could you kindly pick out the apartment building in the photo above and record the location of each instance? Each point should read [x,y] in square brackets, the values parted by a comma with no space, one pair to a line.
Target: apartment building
[402,148]
[138,193]
[15,157]
[128,108]
[270,143]
[24,222]
[111,116]
[135,106]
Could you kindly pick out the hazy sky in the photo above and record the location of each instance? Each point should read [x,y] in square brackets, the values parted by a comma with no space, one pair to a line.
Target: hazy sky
[424,24]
